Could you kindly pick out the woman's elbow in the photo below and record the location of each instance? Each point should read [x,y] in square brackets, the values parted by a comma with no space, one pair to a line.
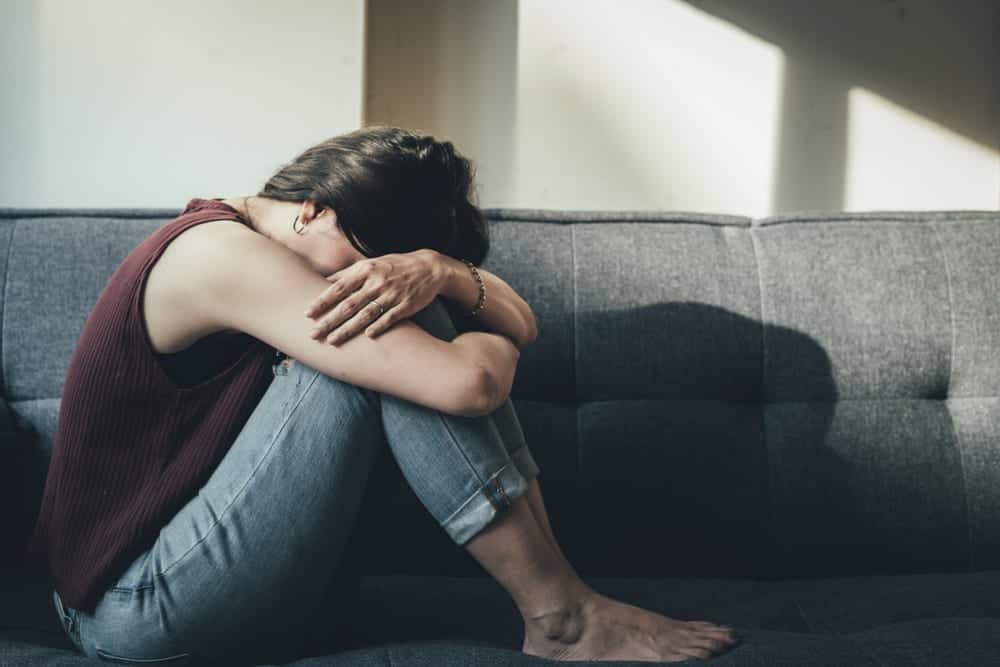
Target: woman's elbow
[476,397]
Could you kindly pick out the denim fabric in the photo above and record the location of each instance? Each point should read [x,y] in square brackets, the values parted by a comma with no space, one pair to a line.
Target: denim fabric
[238,573]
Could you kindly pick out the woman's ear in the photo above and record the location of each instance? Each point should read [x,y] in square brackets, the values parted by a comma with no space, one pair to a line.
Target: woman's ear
[308,211]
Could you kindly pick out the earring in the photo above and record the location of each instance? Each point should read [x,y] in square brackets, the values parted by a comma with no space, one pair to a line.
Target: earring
[296,229]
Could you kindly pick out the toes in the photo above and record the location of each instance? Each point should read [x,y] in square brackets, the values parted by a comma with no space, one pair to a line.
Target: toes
[720,643]
[724,632]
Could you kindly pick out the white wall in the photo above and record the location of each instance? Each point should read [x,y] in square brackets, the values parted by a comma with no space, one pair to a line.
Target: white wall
[748,107]
[149,103]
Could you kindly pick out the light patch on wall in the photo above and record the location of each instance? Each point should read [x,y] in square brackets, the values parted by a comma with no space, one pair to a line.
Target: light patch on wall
[897,159]
[647,104]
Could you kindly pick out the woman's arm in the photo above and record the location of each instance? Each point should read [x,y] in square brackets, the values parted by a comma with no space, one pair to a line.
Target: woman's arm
[505,312]
[497,355]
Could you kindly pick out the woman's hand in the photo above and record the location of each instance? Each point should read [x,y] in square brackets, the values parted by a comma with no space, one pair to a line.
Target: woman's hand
[404,283]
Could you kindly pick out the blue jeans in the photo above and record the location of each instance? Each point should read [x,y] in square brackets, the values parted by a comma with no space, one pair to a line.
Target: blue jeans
[237,574]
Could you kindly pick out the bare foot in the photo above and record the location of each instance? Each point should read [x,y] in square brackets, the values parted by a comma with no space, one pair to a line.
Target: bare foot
[600,628]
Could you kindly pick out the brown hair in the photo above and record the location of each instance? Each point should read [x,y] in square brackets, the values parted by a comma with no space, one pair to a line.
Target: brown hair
[393,190]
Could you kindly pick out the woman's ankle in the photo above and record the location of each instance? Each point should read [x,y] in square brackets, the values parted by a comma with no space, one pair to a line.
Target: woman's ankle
[558,611]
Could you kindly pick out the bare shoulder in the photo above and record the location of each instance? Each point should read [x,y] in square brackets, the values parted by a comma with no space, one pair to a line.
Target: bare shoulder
[180,272]
[221,261]
[224,240]
[211,251]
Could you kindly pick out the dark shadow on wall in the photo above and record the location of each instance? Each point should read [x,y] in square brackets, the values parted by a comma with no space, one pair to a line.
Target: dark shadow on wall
[659,462]
[931,58]
[684,446]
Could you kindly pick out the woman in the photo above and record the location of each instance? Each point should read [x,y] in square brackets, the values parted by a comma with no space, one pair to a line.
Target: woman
[196,499]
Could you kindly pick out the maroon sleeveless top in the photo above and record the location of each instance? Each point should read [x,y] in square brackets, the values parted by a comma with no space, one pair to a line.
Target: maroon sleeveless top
[138,433]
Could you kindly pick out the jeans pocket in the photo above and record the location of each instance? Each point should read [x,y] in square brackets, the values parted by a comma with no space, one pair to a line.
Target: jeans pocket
[178,659]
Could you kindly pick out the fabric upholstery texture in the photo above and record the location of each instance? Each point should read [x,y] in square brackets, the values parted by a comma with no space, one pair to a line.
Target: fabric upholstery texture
[788,424]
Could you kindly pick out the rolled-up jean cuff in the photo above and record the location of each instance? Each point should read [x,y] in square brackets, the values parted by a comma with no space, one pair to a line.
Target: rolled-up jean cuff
[525,462]
[493,497]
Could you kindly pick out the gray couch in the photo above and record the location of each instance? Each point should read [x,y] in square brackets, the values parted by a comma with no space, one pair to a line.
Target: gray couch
[790,425]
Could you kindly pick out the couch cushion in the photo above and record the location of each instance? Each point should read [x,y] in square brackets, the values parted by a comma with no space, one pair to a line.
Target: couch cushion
[958,642]
[802,395]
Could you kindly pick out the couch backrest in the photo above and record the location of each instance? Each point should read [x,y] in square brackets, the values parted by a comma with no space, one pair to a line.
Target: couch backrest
[708,395]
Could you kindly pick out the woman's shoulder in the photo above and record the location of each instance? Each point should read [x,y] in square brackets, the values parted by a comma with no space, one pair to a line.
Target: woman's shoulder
[197,252]
[171,320]
[185,252]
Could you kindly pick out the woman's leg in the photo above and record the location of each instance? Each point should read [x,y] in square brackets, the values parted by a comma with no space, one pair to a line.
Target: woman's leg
[240,569]
[233,575]
[510,430]
[564,617]
[341,594]
[509,427]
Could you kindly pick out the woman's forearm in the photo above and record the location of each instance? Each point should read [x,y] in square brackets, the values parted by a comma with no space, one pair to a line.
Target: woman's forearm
[505,312]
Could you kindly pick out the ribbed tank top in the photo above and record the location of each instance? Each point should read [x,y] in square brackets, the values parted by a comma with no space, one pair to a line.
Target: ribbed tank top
[134,440]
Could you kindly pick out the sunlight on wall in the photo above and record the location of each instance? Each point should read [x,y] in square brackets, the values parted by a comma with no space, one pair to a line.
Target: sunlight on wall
[643,105]
[894,155]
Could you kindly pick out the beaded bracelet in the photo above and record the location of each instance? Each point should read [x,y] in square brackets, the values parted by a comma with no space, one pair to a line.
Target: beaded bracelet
[481,302]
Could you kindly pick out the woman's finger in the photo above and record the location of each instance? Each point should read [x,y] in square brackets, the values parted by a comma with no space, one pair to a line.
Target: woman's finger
[365,316]
[343,283]
[332,300]
[333,318]
[388,318]
[327,299]
[346,310]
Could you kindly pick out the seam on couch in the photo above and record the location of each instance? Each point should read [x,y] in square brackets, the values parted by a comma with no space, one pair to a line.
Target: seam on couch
[965,488]
[802,615]
[947,394]
[763,325]
[869,399]
[951,307]
[3,311]
[761,402]
[576,374]
[914,217]
[123,212]
[571,216]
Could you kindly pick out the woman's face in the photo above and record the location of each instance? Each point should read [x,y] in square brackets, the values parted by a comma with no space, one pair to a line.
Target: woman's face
[326,247]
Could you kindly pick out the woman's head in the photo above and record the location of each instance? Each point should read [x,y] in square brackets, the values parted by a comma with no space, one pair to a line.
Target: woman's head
[392,190]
